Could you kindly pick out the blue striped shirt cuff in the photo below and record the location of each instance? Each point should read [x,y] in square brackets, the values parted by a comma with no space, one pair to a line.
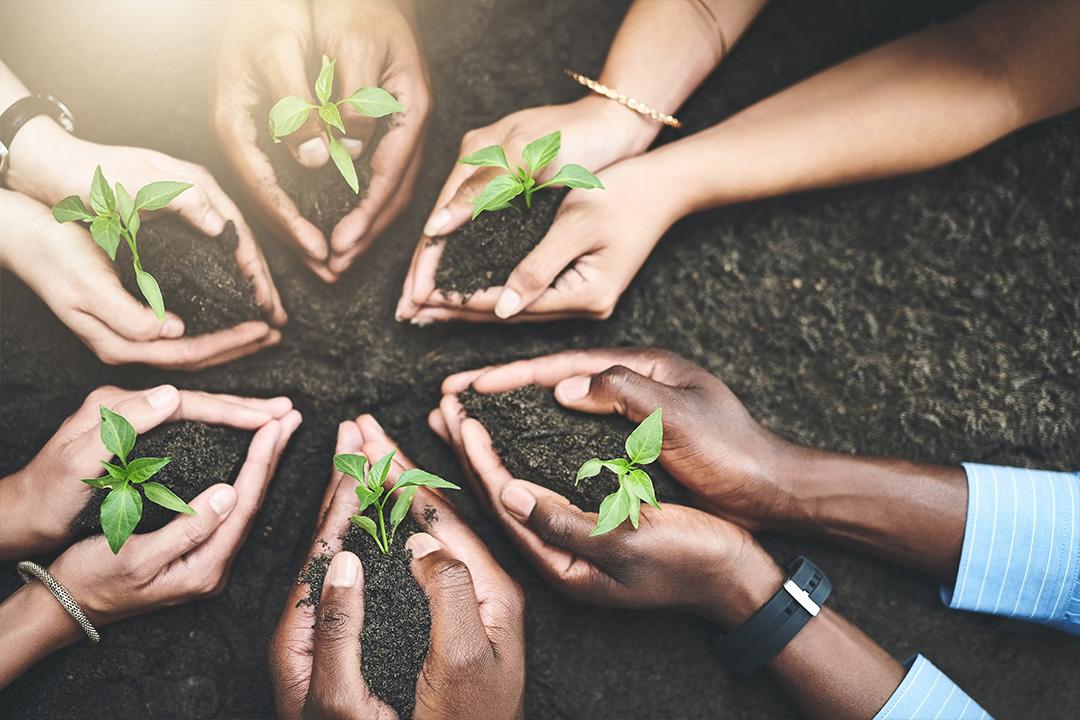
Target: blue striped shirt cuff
[1021,554]
[926,692]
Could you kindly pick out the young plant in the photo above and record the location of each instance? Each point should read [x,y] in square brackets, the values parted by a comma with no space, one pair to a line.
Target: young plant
[374,494]
[289,113]
[635,485]
[537,155]
[115,215]
[122,507]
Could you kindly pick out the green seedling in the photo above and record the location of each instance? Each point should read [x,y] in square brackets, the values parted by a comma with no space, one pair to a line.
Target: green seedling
[289,113]
[115,215]
[635,485]
[122,507]
[373,493]
[501,190]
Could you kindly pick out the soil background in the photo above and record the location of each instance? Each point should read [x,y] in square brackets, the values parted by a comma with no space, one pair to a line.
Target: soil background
[933,317]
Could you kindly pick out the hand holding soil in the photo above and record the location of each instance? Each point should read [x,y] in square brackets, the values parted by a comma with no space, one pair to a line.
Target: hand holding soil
[50,483]
[475,667]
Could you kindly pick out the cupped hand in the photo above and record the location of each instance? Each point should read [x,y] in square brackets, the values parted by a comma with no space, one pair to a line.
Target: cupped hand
[678,557]
[188,559]
[712,445]
[43,498]
[593,249]
[475,665]
[375,44]
[63,266]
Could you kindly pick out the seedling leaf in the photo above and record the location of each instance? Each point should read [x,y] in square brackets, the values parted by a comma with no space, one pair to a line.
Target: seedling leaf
[366,497]
[379,471]
[117,435]
[166,498]
[331,116]
[287,115]
[351,464]
[115,471]
[644,443]
[574,176]
[102,199]
[374,102]
[497,193]
[142,469]
[401,508]
[539,153]
[344,162]
[158,194]
[362,521]
[120,513]
[640,485]
[635,508]
[105,229]
[613,510]
[101,482]
[588,469]
[71,209]
[491,156]
[324,84]
[415,477]
[124,204]
[151,292]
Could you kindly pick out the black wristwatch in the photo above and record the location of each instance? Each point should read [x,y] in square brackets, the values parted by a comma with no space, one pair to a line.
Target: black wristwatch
[24,110]
[763,636]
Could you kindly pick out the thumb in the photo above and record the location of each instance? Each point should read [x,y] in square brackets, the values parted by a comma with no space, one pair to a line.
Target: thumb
[615,390]
[308,143]
[128,317]
[457,631]
[537,271]
[555,521]
[335,660]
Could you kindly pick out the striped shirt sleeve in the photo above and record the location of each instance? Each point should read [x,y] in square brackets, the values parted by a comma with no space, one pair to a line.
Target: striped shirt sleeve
[1021,552]
[926,692]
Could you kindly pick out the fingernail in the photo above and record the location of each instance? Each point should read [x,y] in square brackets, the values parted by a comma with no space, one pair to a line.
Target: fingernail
[421,545]
[573,388]
[437,222]
[222,501]
[172,328]
[421,321]
[313,153]
[508,304]
[355,147]
[162,396]
[518,501]
[344,570]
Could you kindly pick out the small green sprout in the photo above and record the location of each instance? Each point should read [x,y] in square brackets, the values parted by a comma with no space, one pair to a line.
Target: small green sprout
[635,485]
[115,216]
[289,113]
[373,493]
[122,507]
[537,155]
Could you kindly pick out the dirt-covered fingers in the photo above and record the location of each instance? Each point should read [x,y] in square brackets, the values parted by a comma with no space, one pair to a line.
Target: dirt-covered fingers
[420,281]
[349,441]
[243,413]
[253,266]
[187,353]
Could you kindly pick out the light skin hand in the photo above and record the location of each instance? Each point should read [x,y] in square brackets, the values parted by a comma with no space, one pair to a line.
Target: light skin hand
[477,615]
[63,266]
[375,44]
[188,559]
[597,243]
[45,496]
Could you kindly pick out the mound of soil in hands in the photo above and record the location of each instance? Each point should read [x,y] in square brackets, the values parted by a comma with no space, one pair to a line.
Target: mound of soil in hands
[482,253]
[321,195]
[199,278]
[202,455]
[541,441]
[397,622]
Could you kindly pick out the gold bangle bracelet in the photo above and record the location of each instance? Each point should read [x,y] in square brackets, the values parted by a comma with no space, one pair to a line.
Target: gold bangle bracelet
[624,99]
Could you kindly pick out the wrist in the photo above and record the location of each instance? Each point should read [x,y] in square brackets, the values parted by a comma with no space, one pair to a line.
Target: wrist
[32,625]
[631,132]
[740,584]
[20,533]
[37,158]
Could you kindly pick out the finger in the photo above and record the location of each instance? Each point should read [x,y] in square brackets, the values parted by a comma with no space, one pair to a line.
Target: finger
[218,410]
[195,353]
[618,389]
[358,65]
[337,680]
[275,406]
[185,532]
[554,520]
[429,315]
[253,267]
[458,636]
[550,370]
[145,409]
[459,209]
[119,311]
[349,441]
[481,301]
[439,219]
[420,282]
[286,76]
[533,275]
[437,423]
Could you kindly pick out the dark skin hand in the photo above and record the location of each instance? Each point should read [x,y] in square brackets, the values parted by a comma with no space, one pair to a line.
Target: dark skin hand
[678,558]
[475,665]
[908,512]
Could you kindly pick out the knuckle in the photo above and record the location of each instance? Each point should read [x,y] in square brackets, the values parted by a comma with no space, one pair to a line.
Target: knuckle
[196,533]
[332,624]
[534,273]
[332,704]
[452,575]
[556,528]
[611,381]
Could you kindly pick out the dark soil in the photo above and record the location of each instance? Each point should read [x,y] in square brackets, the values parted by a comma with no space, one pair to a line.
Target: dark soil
[202,455]
[541,441]
[934,317]
[321,195]
[482,253]
[396,618]
[199,278]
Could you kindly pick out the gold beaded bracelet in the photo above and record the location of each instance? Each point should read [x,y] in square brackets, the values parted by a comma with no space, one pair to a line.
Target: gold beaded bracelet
[624,100]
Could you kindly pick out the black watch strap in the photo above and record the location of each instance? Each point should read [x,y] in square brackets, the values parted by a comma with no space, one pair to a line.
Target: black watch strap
[763,636]
[21,112]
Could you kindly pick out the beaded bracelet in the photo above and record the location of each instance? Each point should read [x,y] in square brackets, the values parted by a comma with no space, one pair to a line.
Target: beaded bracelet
[28,569]
[624,99]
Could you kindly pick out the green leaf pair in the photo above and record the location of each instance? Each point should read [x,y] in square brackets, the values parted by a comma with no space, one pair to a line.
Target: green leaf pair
[122,507]
[116,215]
[289,113]
[372,492]
[537,155]
[635,486]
